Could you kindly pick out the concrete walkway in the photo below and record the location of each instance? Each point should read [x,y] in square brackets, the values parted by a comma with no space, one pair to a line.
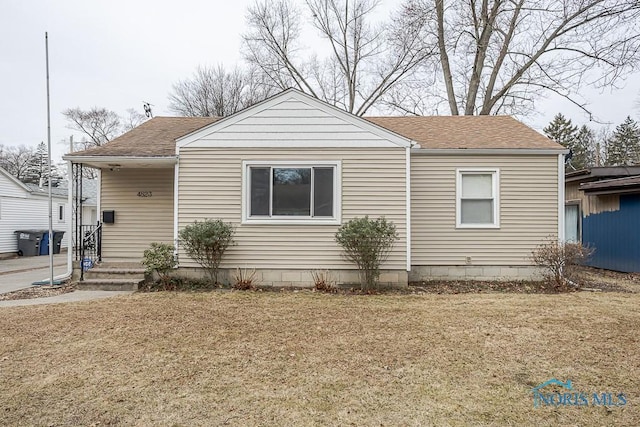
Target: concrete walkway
[74,296]
[19,273]
[22,272]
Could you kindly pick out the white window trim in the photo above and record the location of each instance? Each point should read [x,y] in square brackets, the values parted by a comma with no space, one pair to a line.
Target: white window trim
[289,220]
[495,173]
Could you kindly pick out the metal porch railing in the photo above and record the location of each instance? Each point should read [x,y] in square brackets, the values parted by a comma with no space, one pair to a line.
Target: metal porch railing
[91,248]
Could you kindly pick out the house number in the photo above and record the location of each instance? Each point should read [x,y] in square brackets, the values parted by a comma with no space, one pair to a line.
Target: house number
[144,194]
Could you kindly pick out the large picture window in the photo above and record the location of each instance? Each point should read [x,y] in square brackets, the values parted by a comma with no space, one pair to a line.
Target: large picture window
[477,198]
[291,191]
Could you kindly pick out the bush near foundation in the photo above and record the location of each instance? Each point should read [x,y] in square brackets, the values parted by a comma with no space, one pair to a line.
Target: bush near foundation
[206,242]
[560,261]
[367,243]
[160,258]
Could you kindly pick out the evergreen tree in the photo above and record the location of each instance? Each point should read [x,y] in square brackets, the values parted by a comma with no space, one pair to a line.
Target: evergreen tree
[41,165]
[584,149]
[561,130]
[623,148]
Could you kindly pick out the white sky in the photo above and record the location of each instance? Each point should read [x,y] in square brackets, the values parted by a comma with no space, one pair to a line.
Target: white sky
[118,53]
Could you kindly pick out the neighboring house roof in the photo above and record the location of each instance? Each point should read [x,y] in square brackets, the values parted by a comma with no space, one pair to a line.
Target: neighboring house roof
[602,172]
[157,137]
[446,132]
[34,189]
[89,191]
[153,138]
[55,191]
[626,185]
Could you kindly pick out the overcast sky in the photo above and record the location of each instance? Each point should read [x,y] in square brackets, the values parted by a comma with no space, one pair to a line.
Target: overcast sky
[119,53]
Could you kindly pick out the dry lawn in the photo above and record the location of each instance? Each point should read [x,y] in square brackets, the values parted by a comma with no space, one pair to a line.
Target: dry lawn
[257,358]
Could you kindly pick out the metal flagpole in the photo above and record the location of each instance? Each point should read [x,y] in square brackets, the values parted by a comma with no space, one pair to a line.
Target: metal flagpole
[46,48]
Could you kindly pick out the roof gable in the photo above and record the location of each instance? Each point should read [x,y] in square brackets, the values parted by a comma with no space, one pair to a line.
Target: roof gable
[13,181]
[293,119]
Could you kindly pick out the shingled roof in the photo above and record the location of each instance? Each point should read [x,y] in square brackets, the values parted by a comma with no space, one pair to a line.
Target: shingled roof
[153,138]
[442,132]
[156,137]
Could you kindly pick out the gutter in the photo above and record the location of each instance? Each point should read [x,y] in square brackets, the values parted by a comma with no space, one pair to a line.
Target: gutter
[488,151]
[122,160]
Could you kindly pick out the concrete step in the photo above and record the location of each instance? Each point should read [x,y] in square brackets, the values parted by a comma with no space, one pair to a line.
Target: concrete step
[100,272]
[109,284]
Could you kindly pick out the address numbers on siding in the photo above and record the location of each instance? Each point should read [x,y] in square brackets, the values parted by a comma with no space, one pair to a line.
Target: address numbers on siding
[145,194]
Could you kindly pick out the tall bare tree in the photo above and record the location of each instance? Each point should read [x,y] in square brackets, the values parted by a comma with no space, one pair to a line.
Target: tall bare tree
[99,125]
[213,91]
[499,56]
[365,61]
[18,161]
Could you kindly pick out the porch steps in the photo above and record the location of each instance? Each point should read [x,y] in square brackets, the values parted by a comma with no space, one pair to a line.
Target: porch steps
[113,276]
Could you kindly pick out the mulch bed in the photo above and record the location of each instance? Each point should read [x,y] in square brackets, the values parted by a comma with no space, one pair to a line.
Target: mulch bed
[38,292]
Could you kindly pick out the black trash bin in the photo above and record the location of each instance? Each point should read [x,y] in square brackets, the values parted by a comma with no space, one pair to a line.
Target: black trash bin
[57,240]
[28,242]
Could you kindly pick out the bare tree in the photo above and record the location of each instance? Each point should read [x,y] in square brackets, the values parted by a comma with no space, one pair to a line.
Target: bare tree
[364,63]
[19,161]
[99,125]
[133,119]
[499,56]
[212,91]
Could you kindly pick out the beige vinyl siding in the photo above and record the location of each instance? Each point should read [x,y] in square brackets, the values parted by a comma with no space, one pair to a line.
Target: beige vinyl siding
[138,220]
[296,121]
[210,186]
[528,210]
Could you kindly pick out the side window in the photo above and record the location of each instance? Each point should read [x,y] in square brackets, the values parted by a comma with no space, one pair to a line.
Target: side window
[60,213]
[477,198]
[572,218]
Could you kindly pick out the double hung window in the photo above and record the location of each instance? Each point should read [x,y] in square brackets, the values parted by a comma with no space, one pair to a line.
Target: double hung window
[477,198]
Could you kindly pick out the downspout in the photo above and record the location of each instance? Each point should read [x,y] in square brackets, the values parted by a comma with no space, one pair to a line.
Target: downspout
[408,203]
[561,197]
[176,173]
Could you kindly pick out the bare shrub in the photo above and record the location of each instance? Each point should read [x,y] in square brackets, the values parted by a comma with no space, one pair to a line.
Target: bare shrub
[323,281]
[243,279]
[560,259]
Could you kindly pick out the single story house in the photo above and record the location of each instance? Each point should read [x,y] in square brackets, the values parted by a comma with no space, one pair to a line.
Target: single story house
[471,197]
[603,212]
[26,206]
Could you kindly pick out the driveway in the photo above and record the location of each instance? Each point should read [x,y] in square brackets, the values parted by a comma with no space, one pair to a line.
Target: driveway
[19,273]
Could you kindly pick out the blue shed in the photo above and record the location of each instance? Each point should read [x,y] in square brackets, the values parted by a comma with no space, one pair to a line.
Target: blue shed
[602,211]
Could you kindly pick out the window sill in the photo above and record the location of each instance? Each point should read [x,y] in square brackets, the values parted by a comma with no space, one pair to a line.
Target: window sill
[477,226]
[290,221]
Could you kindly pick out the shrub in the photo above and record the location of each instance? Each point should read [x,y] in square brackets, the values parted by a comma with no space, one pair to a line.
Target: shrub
[206,242]
[323,281]
[243,279]
[367,243]
[160,258]
[560,259]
